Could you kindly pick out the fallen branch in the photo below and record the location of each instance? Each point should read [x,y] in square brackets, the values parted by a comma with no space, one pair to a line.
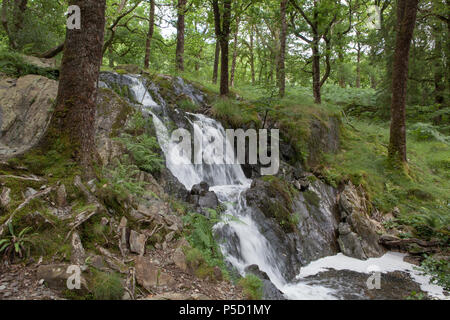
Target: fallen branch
[30,178]
[22,205]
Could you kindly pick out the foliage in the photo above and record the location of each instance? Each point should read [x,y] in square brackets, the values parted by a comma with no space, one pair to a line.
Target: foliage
[252,286]
[200,236]
[106,286]
[439,270]
[144,150]
[16,245]
[13,64]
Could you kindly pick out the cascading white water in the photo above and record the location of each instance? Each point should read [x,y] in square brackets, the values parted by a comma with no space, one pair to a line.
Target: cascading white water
[229,183]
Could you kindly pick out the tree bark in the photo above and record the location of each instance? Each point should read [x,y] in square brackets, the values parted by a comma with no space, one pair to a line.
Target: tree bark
[233,64]
[282,56]
[151,28]
[358,64]
[52,52]
[72,125]
[216,63]
[222,28]
[406,20]
[316,70]
[252,56]
[179,63]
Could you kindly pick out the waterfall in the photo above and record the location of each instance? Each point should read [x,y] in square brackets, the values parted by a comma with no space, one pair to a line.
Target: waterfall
[228,181]
[244,243]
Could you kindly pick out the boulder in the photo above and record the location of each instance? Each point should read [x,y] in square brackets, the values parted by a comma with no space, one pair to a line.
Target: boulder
[149,275]
[200,189]
[56,276]
[26,105]
[137,242]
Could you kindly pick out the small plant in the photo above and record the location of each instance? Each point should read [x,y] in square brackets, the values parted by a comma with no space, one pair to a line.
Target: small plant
[252,286]
[439,270]
[144,149]
[106,286]
[14,246]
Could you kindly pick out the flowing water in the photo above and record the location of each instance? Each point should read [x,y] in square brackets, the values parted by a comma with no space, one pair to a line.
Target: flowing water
[246,245]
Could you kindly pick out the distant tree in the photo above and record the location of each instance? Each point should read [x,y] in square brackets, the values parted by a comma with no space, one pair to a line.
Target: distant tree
[151,28]
[181,11]
[222,21]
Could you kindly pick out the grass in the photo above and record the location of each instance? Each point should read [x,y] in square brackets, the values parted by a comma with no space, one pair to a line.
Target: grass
[423,190]
[252,287]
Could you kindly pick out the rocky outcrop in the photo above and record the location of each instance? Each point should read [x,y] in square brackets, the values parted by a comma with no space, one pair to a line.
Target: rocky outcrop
[358,233]
[323,138]
[300,226]
[202,198]
[26,106]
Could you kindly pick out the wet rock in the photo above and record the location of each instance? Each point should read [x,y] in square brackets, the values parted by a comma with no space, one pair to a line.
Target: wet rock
[137,242]
[350,245]
[201,197]
[78,255]
[270,291]
[209,200]
[200,189]
[311,234]
[363,240]
[172,186]
[351,285]
[150,275]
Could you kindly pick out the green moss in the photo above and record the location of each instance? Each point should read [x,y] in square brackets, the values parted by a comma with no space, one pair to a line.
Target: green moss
[312,198]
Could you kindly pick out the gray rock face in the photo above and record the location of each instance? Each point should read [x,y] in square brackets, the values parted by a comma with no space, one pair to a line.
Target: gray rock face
[26,105]
[358,237]
[270,292]
[314,235]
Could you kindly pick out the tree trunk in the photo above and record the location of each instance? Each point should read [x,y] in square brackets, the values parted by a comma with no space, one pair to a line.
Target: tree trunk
[358,65]
[252,57]
[179,63]
[222,30]
[282,56]
[151,28]
[439,82]
[216,62]
[72,125]
[406,20]
[233,64]
[316,70]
